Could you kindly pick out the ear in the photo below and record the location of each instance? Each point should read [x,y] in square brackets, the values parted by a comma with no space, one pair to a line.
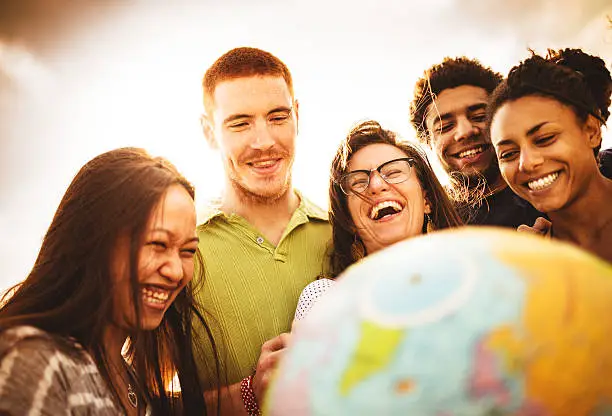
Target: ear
[426,205]
[592,128]
[207,129]
[296,109]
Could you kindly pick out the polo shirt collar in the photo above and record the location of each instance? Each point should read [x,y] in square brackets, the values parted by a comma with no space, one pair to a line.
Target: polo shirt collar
[306,207]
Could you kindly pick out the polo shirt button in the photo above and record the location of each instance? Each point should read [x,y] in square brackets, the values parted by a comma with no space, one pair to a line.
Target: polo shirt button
[260,240]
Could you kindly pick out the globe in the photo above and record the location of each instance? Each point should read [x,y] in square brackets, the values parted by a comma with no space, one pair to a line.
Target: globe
[474,321]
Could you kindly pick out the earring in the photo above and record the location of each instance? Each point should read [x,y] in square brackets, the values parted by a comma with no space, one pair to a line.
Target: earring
[430,227]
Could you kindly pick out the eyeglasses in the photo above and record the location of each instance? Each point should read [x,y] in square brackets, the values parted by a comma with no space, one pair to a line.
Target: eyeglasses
[394,171]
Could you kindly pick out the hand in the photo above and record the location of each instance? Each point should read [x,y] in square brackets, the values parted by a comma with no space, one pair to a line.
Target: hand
[271,352]
[541,226]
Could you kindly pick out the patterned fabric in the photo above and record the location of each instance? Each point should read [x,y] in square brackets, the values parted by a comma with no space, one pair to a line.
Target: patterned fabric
[310,295]
[43,375]
[251,287]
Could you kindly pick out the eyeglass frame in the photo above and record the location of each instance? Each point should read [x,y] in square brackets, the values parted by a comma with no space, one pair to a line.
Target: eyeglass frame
[369,173]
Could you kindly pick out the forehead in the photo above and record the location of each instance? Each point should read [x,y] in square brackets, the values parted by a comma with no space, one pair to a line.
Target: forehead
[250,95]
[456,100]
[374,155]
[175,211]
[515,118]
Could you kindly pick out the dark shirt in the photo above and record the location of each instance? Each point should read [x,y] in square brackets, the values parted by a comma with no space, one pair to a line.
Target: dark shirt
[503,209]
[605,162]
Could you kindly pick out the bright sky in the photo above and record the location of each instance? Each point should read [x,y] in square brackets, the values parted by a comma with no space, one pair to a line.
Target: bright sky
[131,77]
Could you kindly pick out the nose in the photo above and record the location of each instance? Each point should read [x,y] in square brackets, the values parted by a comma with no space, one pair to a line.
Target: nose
[465,129]
[530,160]
[377,183]
[264,138]
[172,268]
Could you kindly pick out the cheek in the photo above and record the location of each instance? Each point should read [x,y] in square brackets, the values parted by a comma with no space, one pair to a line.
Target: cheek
[188,270]
[354,205]
[508,170]
[439,145]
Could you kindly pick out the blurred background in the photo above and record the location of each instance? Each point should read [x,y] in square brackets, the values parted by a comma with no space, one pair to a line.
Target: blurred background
[79,77]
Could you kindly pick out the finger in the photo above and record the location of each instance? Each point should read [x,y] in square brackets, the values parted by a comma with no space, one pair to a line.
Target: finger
[269,361]
[542,224]
[276,343]
[526,229]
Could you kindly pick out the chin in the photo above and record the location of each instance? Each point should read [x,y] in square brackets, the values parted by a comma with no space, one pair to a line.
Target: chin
[151,324]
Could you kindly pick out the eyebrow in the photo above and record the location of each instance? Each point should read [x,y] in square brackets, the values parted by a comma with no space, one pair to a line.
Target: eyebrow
[280,109]
[171,234]
[533,130]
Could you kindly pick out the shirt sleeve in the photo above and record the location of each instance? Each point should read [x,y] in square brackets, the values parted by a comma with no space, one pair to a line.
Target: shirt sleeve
[310,295]
[32,379]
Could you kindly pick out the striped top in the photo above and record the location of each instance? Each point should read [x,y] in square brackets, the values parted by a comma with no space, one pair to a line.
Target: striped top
[251,287]
[44,375]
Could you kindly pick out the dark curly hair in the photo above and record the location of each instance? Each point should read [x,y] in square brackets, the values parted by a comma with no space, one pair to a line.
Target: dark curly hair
[450,73]
[344,232]
[570,76]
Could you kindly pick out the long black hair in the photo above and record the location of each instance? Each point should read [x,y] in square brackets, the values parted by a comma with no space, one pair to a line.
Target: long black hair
[69,292]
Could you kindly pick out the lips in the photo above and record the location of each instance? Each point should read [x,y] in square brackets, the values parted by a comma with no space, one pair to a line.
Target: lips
[384,209]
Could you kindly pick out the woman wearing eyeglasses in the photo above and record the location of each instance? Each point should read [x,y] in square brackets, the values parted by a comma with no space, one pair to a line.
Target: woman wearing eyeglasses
[382,190]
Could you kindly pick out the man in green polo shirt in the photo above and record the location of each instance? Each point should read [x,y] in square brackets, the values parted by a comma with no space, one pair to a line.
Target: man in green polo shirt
[265,241]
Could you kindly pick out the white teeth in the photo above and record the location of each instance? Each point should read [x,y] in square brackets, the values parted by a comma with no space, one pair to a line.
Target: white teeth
[542,183]
[263,164]
[155,296]
[384,204]
[471,152]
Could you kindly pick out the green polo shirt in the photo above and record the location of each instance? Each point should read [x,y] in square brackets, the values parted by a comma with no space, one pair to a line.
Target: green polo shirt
[251,287]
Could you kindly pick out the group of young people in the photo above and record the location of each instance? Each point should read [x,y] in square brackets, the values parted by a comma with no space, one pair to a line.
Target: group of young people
[132,309]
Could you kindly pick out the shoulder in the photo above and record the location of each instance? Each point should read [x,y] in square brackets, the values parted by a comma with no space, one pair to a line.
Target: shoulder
[32,362]
[312,210]
[310,295]
[27,337]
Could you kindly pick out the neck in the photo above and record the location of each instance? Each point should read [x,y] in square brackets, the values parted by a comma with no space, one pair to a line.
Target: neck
[114,338]
[270,217]
[583,220]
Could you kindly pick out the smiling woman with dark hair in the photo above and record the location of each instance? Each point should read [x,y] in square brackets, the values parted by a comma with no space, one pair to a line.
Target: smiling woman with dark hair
[116,264]
[545,124]
[382,190]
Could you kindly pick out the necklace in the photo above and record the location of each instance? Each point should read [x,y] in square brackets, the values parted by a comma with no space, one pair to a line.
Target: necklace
[132,398]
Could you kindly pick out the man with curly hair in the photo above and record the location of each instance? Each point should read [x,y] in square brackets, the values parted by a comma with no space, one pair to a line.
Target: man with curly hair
[448,112]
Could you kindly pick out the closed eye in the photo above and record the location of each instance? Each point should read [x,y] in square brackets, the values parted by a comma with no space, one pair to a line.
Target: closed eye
[279,118]
[188,252]
[508,155]
[160,245]
[478,118]
[445,127]
[235,126]
[545,140]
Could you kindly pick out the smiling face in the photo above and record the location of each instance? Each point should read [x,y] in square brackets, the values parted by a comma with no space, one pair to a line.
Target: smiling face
[545,153]
[455,122]
[165,261]
[254,125]
[385,214]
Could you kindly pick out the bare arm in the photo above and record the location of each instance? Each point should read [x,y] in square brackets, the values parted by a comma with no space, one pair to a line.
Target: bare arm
[228,401]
